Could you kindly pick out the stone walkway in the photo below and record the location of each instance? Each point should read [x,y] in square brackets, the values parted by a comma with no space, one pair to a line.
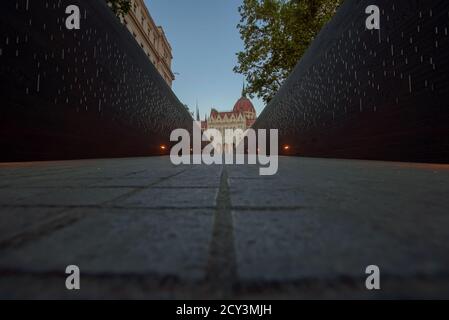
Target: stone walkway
[143,228]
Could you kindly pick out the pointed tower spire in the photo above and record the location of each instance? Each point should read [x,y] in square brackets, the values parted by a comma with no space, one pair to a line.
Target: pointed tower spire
[244,89]
[197,111]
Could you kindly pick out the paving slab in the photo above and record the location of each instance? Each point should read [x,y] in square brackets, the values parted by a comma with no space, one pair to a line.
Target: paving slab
[61,197]
[195,176]
[15,221]
[112,241]
[176,197]
[315,244]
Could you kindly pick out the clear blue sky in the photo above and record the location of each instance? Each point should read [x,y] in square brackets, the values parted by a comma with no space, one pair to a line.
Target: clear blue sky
[205,39]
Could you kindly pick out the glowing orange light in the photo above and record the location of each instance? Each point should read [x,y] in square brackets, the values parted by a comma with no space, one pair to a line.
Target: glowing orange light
[163,147]
[286,147]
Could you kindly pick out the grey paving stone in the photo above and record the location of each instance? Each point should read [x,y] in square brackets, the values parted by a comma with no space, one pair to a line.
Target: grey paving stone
[64,196]
[143,173]
[243,193]
[109,241]
[172,198]
[16,221]
[243,171]
[10,196]
[195,176]
[60,181]
[355,213]
[164,169]
[329,243]
[126,182]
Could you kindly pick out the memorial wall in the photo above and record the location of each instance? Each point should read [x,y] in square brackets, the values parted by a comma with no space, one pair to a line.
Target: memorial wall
[370,94]
[77,93]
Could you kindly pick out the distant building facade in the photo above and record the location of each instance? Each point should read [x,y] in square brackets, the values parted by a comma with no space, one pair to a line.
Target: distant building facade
[242,116]
[151,38]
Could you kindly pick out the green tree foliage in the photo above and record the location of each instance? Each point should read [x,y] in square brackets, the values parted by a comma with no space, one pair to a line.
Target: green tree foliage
[276,33]
[120,7]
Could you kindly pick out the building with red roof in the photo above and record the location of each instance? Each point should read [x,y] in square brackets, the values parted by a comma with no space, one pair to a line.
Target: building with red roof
[242,116]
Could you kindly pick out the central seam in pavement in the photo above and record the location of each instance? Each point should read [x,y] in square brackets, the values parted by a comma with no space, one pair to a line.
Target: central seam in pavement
[221,273]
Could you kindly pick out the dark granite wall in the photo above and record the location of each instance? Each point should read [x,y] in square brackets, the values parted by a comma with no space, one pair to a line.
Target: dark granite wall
[78,93]
[370,94]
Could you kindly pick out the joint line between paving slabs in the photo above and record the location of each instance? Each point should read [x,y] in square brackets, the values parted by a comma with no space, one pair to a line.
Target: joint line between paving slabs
[136,190]
[221,273]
